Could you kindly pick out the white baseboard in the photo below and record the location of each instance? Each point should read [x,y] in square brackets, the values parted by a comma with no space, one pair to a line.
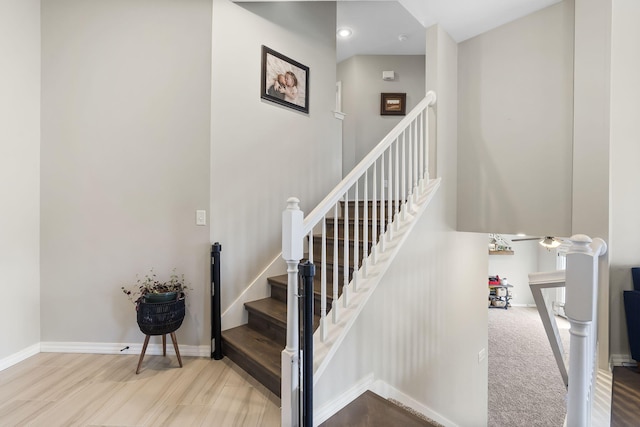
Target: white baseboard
[388,392]
[327,410]
[621,360]
[154,348]
[18,357]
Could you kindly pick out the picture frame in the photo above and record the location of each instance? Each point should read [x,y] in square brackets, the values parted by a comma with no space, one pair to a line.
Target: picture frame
[284,81]
[393,104]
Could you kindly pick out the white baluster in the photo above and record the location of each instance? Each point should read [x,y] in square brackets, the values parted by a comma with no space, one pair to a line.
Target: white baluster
[323,282]
[426,146]
[365,227]
[422,149]
[410,170]
[356,243]
[381,238]
[404,176]
[390,198]
[345,259]
[334,304]
[397,186]
[374,225]
[414,127]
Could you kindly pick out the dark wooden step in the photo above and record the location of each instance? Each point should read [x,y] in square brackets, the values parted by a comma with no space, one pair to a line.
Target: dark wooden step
[317,249]
[361,207]
[371,410]
[269,317]
[256,353]
[279,291]
[371,227]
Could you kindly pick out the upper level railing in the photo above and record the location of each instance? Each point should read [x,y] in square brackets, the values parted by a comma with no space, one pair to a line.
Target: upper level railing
[581,308]
[345,234]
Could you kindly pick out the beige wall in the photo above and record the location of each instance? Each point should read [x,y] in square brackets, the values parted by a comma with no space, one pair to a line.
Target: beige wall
[20,176]
[263,153]
[362,83]
[592,180]
[625,174]
[125,161]
[422,330]
[515,124]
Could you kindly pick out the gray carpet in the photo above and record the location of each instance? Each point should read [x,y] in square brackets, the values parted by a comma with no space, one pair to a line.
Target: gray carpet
[525,386]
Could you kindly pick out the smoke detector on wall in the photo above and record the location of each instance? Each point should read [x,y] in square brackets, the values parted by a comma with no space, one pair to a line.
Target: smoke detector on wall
[388,75]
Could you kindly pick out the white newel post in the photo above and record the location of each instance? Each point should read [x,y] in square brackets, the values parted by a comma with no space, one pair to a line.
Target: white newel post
[292,253]
[581,309]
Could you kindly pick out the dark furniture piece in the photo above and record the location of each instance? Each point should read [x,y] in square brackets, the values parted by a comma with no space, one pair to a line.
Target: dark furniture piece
[632,311]
[160,319]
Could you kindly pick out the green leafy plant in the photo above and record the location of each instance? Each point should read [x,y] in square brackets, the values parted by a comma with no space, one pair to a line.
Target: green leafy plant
[151,285]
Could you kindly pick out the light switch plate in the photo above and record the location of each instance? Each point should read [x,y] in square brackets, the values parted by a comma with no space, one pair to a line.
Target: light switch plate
[201,217]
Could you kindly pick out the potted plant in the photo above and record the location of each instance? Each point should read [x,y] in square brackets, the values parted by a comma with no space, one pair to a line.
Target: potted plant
[151,290]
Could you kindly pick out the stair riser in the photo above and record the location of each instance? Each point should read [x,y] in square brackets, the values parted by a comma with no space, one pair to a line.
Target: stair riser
[264,325]
[280,293]
[317,250]
[263,376]
[370,209]
[372,230]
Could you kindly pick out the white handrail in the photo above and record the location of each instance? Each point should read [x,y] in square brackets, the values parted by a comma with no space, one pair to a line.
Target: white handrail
[388,168]
[336,194]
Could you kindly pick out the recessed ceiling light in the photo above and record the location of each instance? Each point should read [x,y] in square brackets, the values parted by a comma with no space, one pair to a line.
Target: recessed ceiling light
[344,32]
[403,37]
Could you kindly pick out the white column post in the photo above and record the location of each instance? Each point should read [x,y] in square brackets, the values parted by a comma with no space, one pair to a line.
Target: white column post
[581,296]
[292,252]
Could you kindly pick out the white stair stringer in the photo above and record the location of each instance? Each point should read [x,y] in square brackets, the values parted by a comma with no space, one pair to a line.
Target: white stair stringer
[323,352]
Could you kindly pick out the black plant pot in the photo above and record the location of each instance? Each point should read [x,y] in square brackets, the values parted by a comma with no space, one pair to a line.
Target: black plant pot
[160,318]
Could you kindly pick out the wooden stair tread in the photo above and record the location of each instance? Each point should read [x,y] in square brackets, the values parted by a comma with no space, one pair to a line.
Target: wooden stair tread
[257,354]
[283,280]
[275,310]
[371,410]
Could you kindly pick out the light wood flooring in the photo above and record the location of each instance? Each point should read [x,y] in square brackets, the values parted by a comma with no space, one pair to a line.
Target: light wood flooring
[57,389]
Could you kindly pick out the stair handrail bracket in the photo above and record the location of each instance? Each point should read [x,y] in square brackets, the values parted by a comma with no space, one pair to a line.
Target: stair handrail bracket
[581,308]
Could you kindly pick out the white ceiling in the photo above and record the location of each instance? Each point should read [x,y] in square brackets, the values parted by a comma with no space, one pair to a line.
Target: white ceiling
[376,25]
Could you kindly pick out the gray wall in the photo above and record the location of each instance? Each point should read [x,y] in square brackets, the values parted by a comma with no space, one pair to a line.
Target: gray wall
[20,175]
[592,179]
[625,174]
[434,325]
[362,83]
[125,161]
[263,153]
[515,124]
[136,138]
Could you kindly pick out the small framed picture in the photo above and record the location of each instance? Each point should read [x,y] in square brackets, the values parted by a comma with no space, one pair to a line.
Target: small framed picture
[284,81]
[393,104]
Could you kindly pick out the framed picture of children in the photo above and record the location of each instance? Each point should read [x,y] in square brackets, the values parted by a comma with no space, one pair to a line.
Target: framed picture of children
[284,81]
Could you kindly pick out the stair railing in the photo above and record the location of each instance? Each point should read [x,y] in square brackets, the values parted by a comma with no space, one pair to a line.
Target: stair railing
[581,308]
[549,280]
[390,179]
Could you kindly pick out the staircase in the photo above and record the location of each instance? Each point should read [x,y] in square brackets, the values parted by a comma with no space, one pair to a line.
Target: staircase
[257,346]
[352,236]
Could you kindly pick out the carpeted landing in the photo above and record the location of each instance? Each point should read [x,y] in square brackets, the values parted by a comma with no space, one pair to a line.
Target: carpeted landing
[525,385]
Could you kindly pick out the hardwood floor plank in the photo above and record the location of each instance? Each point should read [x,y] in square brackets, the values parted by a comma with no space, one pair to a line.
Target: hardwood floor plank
[104,390]
[22,412]
[237,406]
